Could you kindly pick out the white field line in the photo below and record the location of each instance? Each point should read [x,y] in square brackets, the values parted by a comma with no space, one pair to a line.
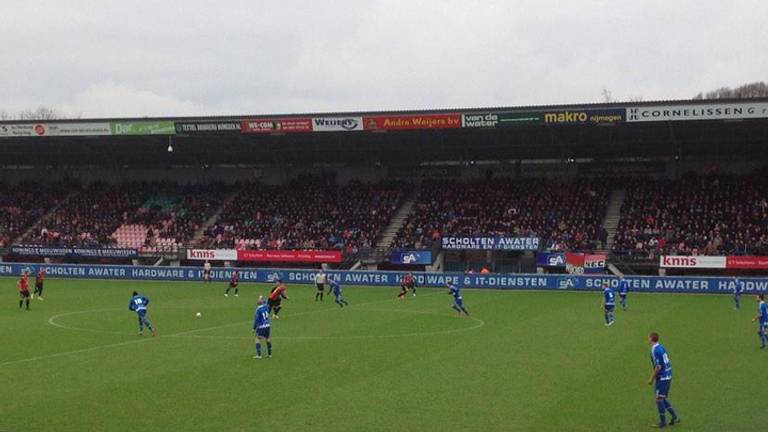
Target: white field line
[137,341]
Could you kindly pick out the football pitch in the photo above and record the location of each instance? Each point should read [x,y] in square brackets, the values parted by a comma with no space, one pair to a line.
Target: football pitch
[539,361]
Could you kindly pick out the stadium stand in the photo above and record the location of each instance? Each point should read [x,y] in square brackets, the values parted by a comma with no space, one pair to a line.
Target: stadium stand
[170,217]
[150,216]
[695,215]
[23,204]
[89,217]
[566,215]
[310,212]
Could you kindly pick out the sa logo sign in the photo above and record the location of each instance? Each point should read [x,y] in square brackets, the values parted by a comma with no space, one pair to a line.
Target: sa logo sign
[567,283]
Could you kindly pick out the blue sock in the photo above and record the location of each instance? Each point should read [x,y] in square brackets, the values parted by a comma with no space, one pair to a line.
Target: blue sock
[668,407]
[269,348]
[763,339]
[660,406]
[606,317]
[465,310]
[258,349]
[456,308]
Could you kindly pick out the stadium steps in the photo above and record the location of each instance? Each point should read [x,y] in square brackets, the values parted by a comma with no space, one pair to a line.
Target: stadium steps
[38,223]
[199,234]
[397,221]
[613,214]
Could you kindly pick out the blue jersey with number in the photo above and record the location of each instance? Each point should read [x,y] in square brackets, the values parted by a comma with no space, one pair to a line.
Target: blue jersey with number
[138,303]
[335,287]
[762,309]
[660,358]
[455,292]
[623,287]
[608,297]
[261,319]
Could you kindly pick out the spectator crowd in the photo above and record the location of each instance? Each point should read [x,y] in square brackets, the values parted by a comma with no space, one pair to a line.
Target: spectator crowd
[565,215]
[713,214]
[23,204]
[310,212]
[694,215]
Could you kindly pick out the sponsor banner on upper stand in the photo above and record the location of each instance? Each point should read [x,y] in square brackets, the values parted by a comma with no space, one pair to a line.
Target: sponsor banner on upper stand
[550,260]
[491,243]
[585,116]
[680,261]
[703,111]
[17,130]
[142,127]
[683,284]
[501,119]
[207,127]
[421,257]
[308,256]
[55,129]
[410,122]
[337,124]
[212,254]
[276,125]
[579,263]
[52,251]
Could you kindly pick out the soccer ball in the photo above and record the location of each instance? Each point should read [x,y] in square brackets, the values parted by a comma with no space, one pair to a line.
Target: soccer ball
[198,315]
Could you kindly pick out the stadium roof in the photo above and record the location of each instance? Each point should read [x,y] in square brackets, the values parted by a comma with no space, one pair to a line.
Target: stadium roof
[511,108]
[644,130]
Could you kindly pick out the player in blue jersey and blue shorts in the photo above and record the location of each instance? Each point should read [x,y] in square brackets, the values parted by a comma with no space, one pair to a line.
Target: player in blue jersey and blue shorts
[609,302]
[738,288]
[336,289]
[458,300]
[261,327]
[623,291]
[662,377]
[762,319]
[139,304]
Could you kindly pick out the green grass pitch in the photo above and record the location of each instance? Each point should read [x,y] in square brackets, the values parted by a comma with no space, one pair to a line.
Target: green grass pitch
[539,361]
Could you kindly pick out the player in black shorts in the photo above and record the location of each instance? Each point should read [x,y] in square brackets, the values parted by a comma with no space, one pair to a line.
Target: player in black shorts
[39,279]
[233,282]
[407,283]
[276,298]
[23,285]
[207,271]
[320,281]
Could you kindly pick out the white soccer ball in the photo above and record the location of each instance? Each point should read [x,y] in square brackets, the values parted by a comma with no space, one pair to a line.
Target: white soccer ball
[198,315]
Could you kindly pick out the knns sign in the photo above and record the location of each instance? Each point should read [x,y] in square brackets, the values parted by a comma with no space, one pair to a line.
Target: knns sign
[212,254]
[711,262]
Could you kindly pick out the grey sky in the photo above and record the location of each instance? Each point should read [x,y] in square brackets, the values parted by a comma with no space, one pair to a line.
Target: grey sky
[184,57]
